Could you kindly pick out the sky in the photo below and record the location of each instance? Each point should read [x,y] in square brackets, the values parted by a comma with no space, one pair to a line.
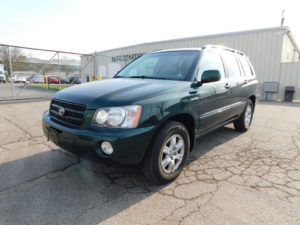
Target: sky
[86,26]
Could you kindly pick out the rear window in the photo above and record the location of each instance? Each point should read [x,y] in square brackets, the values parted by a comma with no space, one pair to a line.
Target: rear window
[231,65]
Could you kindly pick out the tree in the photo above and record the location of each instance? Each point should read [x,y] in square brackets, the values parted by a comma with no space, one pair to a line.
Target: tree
[17,57]
[68,69]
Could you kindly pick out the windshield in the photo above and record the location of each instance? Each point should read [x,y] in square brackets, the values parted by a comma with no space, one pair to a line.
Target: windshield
[173,65]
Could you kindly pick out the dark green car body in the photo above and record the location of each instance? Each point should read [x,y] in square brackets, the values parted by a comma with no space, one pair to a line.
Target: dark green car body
[200,107]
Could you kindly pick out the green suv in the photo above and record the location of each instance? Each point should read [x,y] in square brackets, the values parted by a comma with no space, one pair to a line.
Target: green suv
[153,110]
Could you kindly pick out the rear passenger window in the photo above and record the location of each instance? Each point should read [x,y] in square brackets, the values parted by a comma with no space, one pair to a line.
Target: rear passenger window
[231,65]
[246,67]
[211,61]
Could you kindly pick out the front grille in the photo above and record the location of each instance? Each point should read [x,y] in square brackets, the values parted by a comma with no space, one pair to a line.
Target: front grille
[72,116]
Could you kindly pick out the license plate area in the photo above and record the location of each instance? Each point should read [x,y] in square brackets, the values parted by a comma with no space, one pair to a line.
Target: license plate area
[53,135]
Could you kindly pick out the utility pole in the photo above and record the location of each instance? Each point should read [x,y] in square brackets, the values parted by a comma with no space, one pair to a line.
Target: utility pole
[11,73]
[282,18]
[95,66]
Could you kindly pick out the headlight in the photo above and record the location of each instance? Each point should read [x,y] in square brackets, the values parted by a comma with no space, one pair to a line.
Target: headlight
[118,117]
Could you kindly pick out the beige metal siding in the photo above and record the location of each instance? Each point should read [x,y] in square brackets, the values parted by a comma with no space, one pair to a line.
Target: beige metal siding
[289,51]
[290,76]
[264,48]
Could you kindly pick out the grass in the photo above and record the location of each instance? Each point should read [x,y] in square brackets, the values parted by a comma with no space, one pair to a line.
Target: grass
[51,86]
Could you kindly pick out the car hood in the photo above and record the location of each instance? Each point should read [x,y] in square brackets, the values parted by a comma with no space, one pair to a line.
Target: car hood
[116,92]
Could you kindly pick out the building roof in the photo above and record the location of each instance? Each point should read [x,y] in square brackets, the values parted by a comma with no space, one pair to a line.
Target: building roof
[283,28]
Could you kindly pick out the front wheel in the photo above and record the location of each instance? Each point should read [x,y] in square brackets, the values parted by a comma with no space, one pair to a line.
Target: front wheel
[243,123]
[167,156]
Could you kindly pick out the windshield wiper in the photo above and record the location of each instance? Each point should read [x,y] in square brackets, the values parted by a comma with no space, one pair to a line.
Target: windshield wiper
[140,76]
[143,76]
[149,77]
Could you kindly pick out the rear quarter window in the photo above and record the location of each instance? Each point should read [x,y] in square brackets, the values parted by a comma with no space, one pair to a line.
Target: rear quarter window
[246,67]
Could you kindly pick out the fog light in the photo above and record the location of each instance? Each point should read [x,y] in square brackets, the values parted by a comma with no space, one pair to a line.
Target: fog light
[107,148]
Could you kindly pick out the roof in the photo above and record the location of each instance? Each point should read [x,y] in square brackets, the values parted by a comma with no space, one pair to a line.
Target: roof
[177,49]
[214,47]
[291,36]
[283,28]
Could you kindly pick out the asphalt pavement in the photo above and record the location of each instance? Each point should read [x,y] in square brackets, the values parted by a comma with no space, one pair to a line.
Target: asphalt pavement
[23,92]
[230,177]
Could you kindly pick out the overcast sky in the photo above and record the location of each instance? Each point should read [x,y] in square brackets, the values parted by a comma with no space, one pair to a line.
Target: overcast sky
[88,25]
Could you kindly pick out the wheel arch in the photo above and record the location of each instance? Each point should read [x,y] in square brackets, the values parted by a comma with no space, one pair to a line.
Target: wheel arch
[186,119]
[253,99]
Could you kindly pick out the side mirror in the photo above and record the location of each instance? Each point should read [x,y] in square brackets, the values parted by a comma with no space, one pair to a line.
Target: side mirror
[209,76]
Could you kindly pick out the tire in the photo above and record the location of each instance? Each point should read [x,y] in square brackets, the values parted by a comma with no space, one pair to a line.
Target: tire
[243,123]
[162,150]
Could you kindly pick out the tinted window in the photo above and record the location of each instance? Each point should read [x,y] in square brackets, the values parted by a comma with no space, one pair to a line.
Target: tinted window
[211,61]
[175,65]
[246,67]
[231,65]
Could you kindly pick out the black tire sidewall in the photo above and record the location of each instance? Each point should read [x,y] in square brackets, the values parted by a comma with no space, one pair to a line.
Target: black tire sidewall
[169,130]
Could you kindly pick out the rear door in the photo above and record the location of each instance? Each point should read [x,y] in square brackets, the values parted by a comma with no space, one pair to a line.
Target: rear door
[236,81]
[250,82]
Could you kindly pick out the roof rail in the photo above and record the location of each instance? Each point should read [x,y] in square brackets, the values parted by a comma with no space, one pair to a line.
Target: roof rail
[222,48]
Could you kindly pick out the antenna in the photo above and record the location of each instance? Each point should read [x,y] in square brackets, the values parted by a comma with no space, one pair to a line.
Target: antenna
[282,18]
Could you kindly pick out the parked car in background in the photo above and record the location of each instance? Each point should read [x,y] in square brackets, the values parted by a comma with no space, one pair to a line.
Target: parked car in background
[53,80]
[63,80]
[17,78]
[37,79]
[75,80]
[2,71]
[20,79]
[2,77]
[154,109]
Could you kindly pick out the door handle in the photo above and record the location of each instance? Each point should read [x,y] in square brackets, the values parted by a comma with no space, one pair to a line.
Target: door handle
[227,86]
[245,82]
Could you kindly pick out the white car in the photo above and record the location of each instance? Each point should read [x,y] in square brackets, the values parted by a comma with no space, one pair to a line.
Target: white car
[18,79]
[2,77]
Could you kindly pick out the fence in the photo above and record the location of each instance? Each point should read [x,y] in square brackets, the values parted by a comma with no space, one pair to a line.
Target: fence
[33,73]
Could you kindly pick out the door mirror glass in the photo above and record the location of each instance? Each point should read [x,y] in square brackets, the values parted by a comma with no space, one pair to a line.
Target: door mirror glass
[209,76]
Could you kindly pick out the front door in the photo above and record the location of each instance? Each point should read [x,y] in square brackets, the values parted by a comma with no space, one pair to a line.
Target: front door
[213,97]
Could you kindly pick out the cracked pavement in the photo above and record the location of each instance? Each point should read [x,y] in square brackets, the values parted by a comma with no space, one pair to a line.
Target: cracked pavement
[230,177]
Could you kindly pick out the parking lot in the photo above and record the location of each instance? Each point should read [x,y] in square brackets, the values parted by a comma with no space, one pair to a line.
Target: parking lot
[22,91]
[231,177]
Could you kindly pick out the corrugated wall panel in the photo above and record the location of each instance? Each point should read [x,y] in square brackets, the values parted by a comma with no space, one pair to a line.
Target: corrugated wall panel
[263,48]
[290,76]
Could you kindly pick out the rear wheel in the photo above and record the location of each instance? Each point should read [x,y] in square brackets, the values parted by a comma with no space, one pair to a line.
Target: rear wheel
[167,156]
[243,123]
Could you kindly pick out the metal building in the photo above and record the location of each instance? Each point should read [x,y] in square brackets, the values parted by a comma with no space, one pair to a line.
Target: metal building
[272,51]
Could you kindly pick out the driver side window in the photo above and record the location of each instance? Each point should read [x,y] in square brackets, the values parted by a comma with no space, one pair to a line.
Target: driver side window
[211,61]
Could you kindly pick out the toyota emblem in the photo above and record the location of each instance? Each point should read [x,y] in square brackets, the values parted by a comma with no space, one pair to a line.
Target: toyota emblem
[61,111]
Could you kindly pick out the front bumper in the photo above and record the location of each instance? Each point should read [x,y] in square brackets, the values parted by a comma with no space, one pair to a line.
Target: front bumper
[129,145]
